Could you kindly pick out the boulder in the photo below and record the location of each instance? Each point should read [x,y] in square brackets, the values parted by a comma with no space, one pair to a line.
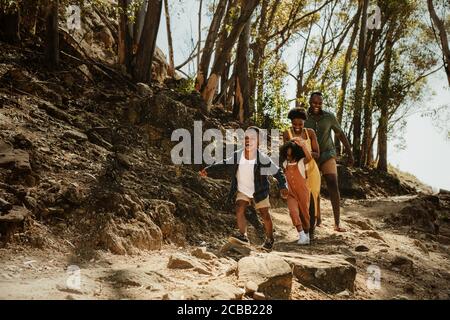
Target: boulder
[216,290]
[15,158]
[201,253]
[179,261]
[271,274]
[330,273]
[75,135]
[15,215]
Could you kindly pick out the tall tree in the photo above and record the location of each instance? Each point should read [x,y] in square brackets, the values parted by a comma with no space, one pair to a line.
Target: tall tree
[346,76]
[9,21]
[125,43]
[359,90]
[147,42]
[241,109]
[247,8]
[171,70]
[443,37]
[213,31]
[52,34]
[366,149]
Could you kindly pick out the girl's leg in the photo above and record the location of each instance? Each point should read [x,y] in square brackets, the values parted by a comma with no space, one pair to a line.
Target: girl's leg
[294,211]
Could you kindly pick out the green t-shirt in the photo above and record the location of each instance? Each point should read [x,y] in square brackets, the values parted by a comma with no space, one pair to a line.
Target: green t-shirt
[322,125]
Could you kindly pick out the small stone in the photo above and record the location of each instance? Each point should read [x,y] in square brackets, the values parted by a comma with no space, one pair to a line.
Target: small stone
[5,206]
[179,262]
[201,253]
[361,248]
[250,287]
[76,135]
[344,294]
[259,296]
[143,89]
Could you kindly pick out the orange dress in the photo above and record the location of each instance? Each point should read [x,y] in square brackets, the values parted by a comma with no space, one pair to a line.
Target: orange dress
[313,175]
[299,195]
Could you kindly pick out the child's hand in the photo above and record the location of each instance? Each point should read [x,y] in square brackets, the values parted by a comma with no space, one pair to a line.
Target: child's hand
[299,141]
[203,173]
[284,193]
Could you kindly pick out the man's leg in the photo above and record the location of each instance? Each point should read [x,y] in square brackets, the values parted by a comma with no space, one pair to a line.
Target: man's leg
[329,170]
[333,190]
[312,217]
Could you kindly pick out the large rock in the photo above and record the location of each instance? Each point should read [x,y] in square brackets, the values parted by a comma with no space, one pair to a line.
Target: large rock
[271,274]
[331,273]
[15,158]
[216,290]
[128,238]
[151,280]
[180,261]
[15,215]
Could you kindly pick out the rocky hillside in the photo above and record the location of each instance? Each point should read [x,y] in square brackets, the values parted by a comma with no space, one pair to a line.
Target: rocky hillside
[86,177]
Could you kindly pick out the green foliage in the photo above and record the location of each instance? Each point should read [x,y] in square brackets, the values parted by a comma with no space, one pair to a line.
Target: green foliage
[186,86]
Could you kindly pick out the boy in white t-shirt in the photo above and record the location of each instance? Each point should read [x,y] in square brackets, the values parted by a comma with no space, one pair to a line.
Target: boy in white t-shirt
[250,185]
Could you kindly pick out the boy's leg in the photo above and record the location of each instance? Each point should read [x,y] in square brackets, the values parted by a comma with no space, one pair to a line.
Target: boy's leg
[263,209]
[267,220]
[241,206]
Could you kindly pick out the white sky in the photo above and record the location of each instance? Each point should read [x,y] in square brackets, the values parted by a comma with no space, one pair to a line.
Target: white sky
[427,151]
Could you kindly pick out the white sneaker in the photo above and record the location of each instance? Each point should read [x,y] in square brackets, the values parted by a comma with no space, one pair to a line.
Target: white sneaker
[303,238]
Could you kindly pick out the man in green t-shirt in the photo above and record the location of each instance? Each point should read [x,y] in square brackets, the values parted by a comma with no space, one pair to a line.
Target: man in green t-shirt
[323,122]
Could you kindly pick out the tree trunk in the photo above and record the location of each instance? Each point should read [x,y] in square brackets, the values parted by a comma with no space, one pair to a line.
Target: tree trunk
[135,30]
[344,82]
[28,16]
[224,80]
[147,43]
[439,24]
[241,109]
[199,32]
[359,89]
[258,48]
[209,45]
[300,88]
[366,152]
[171,71]
[248,6]
[52,35]
[125,45]
[9,23]
[384,104]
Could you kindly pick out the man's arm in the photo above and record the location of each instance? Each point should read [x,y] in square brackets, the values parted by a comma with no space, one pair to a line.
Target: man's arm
[339,133]
[348,149]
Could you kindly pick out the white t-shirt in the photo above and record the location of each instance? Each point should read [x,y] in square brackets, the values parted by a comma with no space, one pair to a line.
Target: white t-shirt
[245,176]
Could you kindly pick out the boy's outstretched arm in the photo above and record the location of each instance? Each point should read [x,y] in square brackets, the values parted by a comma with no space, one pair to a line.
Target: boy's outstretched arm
[216,166]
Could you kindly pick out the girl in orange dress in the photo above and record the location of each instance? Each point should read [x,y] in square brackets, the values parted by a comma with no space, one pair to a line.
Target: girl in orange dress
[297,156]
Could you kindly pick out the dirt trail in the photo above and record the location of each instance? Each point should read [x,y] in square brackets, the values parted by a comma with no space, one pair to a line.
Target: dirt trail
[411,266]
